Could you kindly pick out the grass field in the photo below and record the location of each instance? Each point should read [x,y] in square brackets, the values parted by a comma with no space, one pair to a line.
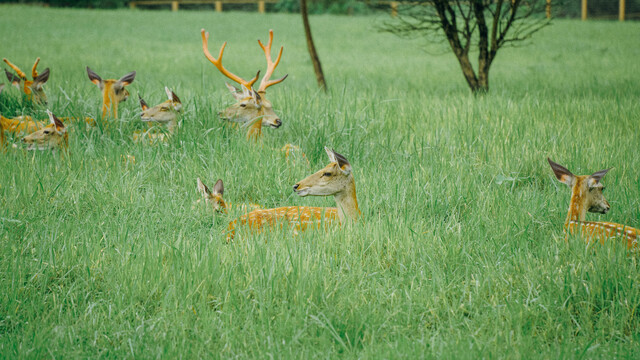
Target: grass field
[460,253]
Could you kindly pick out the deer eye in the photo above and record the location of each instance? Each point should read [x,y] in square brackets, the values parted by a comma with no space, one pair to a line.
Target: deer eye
[327,174]
[47,132]
[243,105]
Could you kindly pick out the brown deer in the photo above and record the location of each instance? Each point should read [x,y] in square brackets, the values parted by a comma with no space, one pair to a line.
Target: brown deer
[165,114]
[113,91]
[586,195]
[334,179]
[25,124]
[31,88]
[50,137]
[252,107]
[214,198]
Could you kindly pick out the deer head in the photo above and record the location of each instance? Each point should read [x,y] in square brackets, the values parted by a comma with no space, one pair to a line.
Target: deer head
[334,179]
[113,91]
[164,113]
[50,137]
[586,191]
[31,88]
[251,107]
[213,199]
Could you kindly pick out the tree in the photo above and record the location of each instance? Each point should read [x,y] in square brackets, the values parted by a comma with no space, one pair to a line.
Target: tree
[312,48]
[482,25]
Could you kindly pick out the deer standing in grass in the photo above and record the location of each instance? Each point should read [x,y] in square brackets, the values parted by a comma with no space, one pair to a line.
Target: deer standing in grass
[50,137]
[165,114]
[586,195]
[214,198]
[334,179]
[31,88]
[252,108]
[113,91]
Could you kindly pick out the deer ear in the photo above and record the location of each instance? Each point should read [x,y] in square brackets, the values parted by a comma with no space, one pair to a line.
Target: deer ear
[15,81]
[597,176]
[330,154]
[41,79]
[143,104]
[343,163]
[127,79]
[246,92]
[218,188]
[95,78]
[562,173]
[55,121]
[203,189]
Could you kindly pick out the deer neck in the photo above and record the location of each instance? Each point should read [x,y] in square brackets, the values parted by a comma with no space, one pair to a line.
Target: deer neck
[347,203]
[255,130]
[577,206]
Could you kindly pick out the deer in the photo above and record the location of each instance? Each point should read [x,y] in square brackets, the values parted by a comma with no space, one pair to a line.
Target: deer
[25,124]
[214,198]
[334,179]
[113,91]
[165,113]
[252,107]
[50,137]
[31,88]
[586,195]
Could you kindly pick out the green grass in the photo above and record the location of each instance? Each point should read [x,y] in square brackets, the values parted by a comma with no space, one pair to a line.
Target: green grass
[460,251]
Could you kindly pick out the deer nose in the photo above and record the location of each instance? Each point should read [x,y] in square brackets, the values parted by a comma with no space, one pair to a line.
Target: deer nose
[278,122]
[295,187]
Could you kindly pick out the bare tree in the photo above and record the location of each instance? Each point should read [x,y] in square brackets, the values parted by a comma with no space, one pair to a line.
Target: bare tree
[312,48]
[484,26]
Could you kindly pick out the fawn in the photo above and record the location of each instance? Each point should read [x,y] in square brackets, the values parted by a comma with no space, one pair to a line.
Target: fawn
[216,202]
[334,179]
[586,195]
[165,113]
[50,137]
[113,91]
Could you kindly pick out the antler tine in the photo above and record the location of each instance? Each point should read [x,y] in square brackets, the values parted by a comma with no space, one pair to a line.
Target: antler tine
[22,75]
[34,72]
[218,62]
[265,83]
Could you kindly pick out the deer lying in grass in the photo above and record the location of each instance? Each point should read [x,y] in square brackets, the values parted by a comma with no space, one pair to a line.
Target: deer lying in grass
[334,179]
[113,91]
[32,89]
[165,114]
[50,137]
[252,107]
[586,195]
[25,124]
[214,199]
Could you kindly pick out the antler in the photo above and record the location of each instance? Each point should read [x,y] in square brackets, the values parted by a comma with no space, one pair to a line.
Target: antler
[34,72]
[265,83]
[218,62]
[22,75]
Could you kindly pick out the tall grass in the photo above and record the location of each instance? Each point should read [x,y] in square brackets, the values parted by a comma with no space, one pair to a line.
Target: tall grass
[460,253]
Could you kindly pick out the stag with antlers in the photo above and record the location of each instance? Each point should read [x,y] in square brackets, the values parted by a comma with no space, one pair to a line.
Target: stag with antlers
[31,88]
[252,108]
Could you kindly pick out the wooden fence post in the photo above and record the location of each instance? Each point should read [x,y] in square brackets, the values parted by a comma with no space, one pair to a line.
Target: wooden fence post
[584,10]
[394,8]
[548,9]
[174,6]
[132,5]
[621,14]
[261,6]
[218,6]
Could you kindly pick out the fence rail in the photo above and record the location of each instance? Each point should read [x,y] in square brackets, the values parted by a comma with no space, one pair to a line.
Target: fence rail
[175,4]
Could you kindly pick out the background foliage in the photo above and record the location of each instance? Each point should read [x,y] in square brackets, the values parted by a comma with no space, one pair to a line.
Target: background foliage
[563,8]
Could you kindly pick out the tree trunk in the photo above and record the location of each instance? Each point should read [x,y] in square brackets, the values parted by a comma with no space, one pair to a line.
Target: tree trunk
[312,49]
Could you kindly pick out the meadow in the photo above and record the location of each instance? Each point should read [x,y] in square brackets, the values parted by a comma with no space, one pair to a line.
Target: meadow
[460,252]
